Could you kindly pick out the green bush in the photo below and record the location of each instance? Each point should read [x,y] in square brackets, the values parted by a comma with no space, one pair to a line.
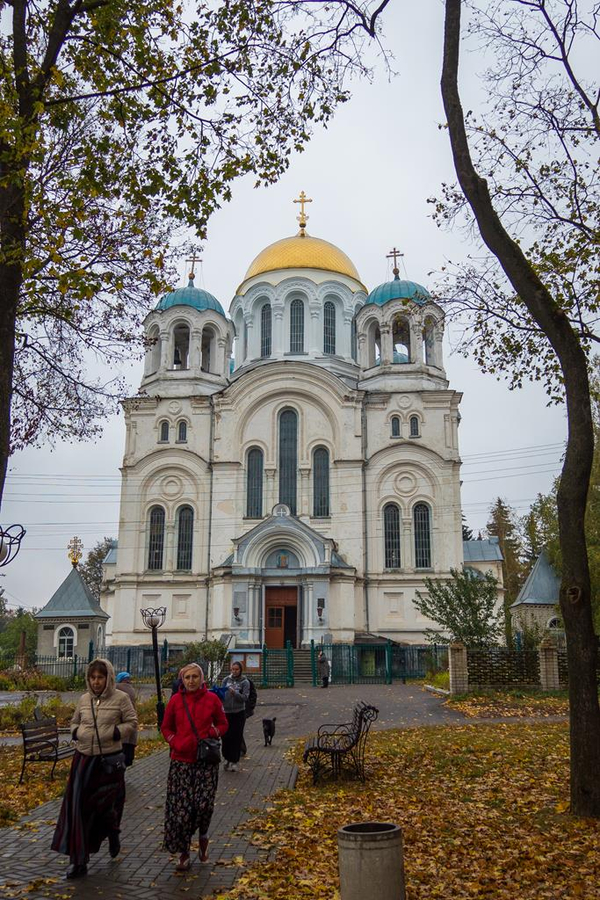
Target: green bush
[31,680]
[13,715]
[63,712]
[440,680]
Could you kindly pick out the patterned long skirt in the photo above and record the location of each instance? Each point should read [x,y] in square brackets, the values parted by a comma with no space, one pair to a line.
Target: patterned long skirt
[92,807]
[191,791]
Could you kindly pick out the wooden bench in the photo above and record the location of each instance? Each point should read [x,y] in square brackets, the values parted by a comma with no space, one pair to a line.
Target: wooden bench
[41,743]
[337,746]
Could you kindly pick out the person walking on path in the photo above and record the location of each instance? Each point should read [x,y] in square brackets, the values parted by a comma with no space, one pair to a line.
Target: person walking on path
[193,713]
[124,684]
[238,692]
[92,807]
[323,668]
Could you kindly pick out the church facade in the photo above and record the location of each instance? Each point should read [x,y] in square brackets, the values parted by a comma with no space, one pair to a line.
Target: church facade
[292,471]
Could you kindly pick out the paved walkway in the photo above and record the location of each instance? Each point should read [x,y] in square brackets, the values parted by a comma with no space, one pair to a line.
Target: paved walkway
[28,868]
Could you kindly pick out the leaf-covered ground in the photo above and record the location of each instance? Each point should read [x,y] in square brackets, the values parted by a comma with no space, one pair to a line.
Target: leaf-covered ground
[500,704]
[18,799]
[484,813]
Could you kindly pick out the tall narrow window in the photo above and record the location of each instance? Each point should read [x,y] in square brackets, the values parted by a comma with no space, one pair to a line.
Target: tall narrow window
[414,426]
[254,485]
[395,426]
[353,341]
[401,340]
[182,432]
[66,643]
[391,532]
[185,530]
[329,327]
[265,330]
[297,326]
[164,432]
[181,347]
[321,482]
[156,542]
[422,536]
[288,458]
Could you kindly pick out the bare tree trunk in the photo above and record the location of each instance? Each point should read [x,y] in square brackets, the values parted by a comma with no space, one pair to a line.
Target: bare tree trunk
[575,593]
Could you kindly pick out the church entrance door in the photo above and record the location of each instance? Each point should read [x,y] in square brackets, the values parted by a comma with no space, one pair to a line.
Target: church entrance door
[281,617]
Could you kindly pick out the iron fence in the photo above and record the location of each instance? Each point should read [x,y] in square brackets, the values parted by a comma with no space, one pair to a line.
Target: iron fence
[278,667]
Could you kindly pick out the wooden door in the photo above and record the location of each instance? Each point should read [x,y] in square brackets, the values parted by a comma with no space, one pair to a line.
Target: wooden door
[280,616]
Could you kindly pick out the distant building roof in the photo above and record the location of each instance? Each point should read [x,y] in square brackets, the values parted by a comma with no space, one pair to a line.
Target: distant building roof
[482,551]
[111,557]
[72,599]
[542,585]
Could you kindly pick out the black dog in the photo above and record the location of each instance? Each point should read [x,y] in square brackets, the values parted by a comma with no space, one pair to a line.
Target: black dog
[269,730]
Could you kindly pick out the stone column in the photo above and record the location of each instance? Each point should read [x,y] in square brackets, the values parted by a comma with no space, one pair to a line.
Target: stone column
[304,505]
[277,337]
[314,345]
[270,498]
[459,672]
[363,357]
[387,349]
[164,351]
[196,350]
[406,544]
[548,653]
[344,340]
[221,368]
[252,335]
[416,343]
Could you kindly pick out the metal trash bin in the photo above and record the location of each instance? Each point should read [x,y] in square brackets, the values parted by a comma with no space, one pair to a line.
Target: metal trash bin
[371,861]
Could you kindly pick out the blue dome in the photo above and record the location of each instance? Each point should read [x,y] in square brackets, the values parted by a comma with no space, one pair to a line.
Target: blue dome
[191,296]
[399,290]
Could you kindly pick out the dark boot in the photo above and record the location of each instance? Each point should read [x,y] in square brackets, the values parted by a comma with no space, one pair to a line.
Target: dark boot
[76,871]
[203,851]
[114,844]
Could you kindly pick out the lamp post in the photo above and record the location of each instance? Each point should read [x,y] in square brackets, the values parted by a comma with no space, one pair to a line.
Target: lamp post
[10,543]
[153,619]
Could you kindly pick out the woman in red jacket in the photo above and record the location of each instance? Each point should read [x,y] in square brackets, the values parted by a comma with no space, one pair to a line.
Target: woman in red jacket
[191,785]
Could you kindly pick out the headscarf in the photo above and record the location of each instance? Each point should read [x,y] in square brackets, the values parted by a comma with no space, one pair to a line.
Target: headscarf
[122,676]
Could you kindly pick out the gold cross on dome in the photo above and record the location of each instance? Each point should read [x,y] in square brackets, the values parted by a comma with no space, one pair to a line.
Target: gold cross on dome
[193,262]
[303,200]
[75,548]
[394,254]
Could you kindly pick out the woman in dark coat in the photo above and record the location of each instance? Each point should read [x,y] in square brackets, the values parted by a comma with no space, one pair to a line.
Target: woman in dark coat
[191,785]
[95,794]
[237,689]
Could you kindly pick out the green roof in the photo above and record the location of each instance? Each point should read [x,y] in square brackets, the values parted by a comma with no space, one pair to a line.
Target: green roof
[191,296]
[73,599]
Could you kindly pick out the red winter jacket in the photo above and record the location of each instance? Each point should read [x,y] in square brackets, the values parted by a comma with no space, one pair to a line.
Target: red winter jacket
[207,714]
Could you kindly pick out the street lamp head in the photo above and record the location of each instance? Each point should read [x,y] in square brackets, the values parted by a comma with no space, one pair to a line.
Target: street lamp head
[154,618]
[10,543]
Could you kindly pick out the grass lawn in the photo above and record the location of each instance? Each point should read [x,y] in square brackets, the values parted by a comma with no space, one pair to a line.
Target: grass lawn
[484,812]
[491,704]
[18,799]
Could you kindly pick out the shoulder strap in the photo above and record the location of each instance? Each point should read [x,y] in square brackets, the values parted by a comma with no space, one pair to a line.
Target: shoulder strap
[194,729]
[95,724]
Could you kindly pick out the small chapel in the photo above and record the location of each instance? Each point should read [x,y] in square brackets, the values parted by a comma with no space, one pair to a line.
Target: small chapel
[291,470]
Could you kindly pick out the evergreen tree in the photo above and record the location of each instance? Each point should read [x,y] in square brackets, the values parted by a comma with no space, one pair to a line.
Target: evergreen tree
[503,525]
[467,533]
[91,569]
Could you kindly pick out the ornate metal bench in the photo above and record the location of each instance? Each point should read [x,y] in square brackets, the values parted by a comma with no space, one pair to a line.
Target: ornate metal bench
[41,744]
[340,747]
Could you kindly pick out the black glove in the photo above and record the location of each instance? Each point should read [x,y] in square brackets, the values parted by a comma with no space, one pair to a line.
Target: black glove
[74,735]
[116,734]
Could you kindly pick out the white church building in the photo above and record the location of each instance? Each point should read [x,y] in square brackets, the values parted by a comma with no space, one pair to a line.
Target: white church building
[292,471]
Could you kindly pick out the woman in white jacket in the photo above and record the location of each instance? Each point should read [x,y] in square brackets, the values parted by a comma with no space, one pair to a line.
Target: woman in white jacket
[92,807]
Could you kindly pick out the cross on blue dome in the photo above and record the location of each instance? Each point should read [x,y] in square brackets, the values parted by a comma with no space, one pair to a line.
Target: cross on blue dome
[398,289]
[191,296]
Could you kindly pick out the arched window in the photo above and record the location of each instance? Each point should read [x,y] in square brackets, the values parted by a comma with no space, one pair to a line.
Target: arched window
[66,643]
[181,347]
[395,426]
[391,535]
[554,623]
[288,458]
[156,540]
[297,326]
[353,341]
[208,350]
[329,327]
[185,530]
[401,340]
[182,432]
[254,484]
[164,433]
[321,482]
[422,528]
[265,330]
[414,426]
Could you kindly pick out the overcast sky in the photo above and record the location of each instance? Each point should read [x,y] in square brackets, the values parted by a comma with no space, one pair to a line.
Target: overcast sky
[369,175]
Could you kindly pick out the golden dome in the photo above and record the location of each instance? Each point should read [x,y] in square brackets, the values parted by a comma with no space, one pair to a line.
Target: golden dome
[302,252]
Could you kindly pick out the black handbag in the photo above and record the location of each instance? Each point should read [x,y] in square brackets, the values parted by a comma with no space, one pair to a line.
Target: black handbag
[208,750]
[114,763]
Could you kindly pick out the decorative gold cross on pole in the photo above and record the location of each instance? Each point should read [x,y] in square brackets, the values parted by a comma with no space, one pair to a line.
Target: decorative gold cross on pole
[75,548]
[193,262]
[302,218]
[394,254]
